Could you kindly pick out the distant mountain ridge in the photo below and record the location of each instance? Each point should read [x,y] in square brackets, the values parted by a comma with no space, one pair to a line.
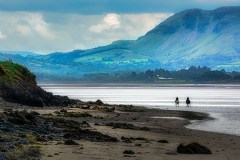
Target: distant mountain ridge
[192,37]
[22,53]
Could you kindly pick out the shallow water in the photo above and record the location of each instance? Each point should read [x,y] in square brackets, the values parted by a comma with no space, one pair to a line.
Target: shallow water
[221,101]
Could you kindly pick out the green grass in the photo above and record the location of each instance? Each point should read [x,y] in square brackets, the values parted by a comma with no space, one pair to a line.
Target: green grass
[14,73]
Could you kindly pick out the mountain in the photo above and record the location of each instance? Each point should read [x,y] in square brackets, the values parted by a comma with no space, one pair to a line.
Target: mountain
[196,37]
[192,37]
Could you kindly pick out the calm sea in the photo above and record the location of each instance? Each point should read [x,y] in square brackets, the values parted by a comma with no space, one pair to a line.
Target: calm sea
[222,102]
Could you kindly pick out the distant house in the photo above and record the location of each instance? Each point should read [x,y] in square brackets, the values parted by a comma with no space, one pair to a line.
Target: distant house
[163,78]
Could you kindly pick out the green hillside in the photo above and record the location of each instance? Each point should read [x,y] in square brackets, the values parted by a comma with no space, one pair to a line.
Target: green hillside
[14,73]
[18,85]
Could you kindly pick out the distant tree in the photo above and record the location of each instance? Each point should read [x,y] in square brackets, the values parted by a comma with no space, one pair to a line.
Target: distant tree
[133,75]
[215,76]
[149,75]
[223,71]
[236,77]
[192,74]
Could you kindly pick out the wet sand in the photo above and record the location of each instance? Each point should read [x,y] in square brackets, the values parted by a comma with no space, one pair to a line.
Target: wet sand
[223,147]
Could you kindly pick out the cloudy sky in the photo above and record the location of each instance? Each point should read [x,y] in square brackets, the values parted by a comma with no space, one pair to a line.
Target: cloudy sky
[46,26]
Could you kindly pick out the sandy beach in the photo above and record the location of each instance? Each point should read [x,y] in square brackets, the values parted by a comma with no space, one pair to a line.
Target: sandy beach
[153,134]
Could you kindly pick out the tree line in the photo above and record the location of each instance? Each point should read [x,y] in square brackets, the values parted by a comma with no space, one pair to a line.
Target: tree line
[192,74]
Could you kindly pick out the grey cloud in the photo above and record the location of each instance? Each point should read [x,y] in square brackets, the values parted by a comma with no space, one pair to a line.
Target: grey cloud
[48,32]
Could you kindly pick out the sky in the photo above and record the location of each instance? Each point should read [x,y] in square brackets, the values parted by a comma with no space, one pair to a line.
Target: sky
[46,26]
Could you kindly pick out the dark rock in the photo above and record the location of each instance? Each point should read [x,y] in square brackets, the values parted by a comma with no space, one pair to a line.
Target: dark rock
[121,125]
[124,138]
[18,85]
[99,102]
[11,147]
[67,135]
[2,71]
[33,152]
[77,114]
[147,141]
[89,135]
[30,127]
[3,149]
[84,122]
[32,95]
[3,156]
[63,110]
[22,141]
[43,129]
[22,117]
[127,141]
[70,142]
[127,155]
[138,144]
[41,138]
[193,148]
[145,128]
[128,152]
[50,137]
[162,141]
[4,140]
[126,126]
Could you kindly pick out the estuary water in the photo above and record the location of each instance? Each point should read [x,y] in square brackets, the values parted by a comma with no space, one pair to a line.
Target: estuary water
[222,102]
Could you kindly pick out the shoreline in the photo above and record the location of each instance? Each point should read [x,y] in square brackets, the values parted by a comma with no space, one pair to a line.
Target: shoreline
[222,101]
[205,118]
[117,124]
[141,85]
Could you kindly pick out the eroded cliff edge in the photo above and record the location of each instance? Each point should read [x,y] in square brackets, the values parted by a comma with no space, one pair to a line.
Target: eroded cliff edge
[18,85]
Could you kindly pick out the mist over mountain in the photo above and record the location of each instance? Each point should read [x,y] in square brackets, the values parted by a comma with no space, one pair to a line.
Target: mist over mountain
[192,37]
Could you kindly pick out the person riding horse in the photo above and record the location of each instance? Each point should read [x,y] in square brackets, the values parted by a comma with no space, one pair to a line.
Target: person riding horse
[188,102]
[177,102]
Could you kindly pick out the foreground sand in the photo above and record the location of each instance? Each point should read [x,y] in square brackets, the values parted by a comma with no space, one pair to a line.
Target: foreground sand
[223,147]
